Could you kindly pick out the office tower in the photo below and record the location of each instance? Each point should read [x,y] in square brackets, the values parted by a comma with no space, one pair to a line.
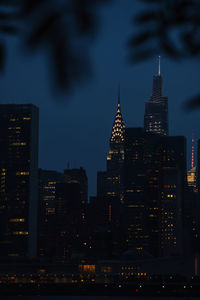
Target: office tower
[79,176]
[135,211]
[173,201]
[154,188]
[156,110]
[191,173]
[68,219]
[47,211]
[19,180]
[71,211]
[193,200]
[110,182]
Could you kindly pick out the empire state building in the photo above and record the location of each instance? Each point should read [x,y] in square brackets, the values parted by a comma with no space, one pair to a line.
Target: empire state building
[156,109]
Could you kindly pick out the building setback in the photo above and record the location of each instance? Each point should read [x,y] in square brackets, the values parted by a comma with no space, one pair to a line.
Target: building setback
[18,180]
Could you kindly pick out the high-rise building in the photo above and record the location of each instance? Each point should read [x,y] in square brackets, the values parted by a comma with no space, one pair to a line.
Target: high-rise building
[71,212]
[156,110]
[135,212]
[172,188]
[47,211]
[115,157]
[110,182]
[191,173]
[18,180]
[68,219]
[79,176]
[154,189]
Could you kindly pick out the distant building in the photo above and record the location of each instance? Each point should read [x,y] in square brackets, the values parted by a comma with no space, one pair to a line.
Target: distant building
[71,212]
[198,166]
[192,172]
[110,182]
[79,176]
[154,192]
[18,180]
[173,186]
[47,211]
[156,110]
[135,211]
[191,177]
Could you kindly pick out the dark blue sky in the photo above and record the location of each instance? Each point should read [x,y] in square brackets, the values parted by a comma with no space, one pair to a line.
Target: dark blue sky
[76,128]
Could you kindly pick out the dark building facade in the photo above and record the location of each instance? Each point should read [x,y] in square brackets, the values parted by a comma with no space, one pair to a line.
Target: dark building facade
[156,110]
[135,212]
[47,211]
[19,180]
[79,176]
[173,187]
[154,198]
[71,212]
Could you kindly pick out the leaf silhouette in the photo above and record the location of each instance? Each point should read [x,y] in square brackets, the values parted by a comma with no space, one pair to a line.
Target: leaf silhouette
[147,17]
[192,103]
[42,32]
[141,38]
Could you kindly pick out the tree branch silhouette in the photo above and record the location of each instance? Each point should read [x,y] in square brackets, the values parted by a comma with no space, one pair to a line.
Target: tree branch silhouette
[65,30]
[171,27]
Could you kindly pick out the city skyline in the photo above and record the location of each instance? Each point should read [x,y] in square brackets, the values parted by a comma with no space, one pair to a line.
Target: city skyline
[68,118]
[100,177]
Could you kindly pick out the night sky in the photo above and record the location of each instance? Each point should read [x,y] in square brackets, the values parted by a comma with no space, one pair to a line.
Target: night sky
[76,128]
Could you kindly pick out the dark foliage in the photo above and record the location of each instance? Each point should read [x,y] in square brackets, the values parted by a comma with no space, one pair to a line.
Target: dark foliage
[171,27]
[65,30]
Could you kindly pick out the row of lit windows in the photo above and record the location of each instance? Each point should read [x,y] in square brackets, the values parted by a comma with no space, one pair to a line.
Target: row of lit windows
[19,144]
[171,196]
[20,232]
[16,220]
[22,173]
[17,119]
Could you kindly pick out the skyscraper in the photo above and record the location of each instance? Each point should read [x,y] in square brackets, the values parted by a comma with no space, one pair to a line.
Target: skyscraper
[172,186]
[71,212]
[79,176]
[47,210]
[18,179]
[156,110]
[134,214]
[154,189]
[110,182]
[115,156]
[191,173]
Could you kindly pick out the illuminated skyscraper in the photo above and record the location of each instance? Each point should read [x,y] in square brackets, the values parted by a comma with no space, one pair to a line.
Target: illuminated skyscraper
[115,156]
[110,183]
[18,180]
[156,110]
[191,173]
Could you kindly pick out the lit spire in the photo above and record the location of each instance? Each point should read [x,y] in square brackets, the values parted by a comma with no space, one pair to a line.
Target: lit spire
[159,65]
[192,160]
[157,85]
[118,128]
[119,94]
